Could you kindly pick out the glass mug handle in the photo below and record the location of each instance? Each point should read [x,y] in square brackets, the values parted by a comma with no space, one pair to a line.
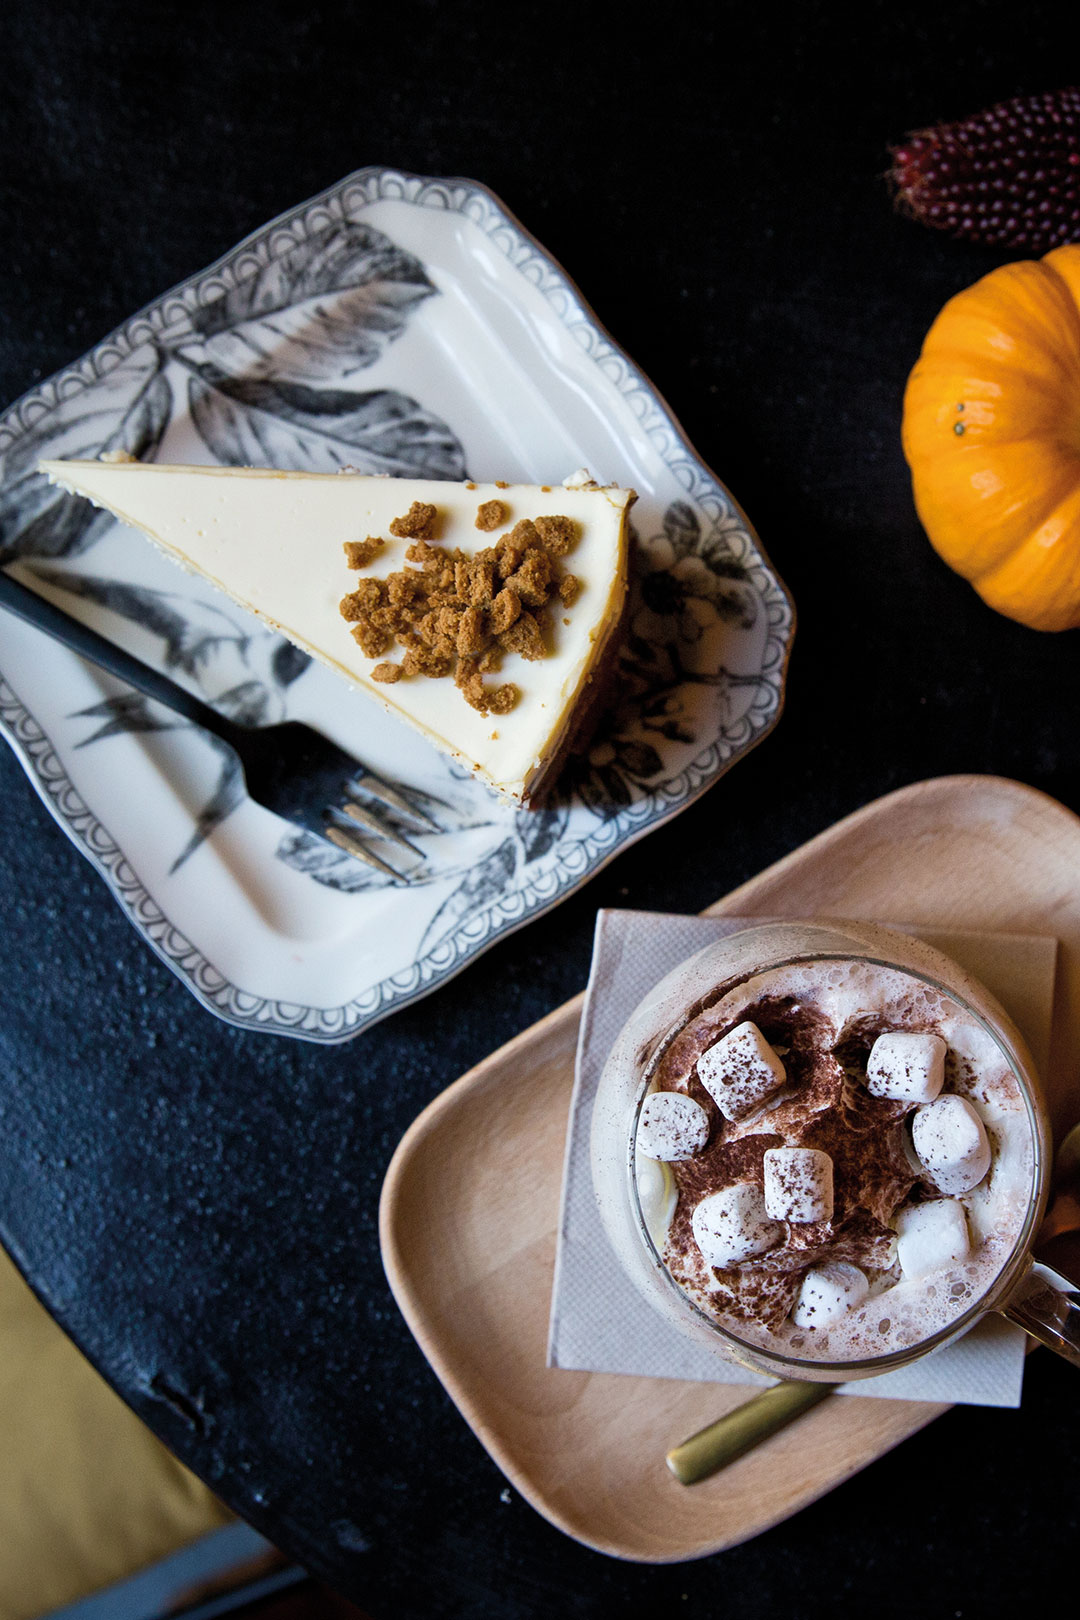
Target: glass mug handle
[1044,1303]
[1047,1305]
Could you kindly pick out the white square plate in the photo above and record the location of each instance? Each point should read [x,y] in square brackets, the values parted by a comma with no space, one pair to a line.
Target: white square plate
[401,325]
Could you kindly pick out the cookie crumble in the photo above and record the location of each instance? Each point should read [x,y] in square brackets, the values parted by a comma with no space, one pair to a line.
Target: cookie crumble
[490,515]
[456,614]
[417,524]
[359,553]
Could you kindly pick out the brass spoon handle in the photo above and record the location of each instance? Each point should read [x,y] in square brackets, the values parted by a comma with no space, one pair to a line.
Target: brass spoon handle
[739,1431]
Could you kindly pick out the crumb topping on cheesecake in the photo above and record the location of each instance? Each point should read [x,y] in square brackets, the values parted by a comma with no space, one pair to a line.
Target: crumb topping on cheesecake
[418,522]
[455,614]
[491,515]
[358,553]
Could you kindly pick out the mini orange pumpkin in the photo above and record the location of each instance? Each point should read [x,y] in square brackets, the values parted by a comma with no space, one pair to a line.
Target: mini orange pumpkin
[992,436]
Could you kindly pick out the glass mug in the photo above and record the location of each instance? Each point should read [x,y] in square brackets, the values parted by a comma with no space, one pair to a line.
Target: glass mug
[1044,1303]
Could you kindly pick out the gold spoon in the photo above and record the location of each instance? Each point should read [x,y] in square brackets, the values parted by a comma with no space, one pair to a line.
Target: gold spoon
[738,1432]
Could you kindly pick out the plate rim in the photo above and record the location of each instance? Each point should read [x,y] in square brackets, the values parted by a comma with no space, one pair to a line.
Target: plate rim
[43,766]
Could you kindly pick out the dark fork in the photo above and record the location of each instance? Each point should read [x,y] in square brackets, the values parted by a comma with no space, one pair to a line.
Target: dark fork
[290,769]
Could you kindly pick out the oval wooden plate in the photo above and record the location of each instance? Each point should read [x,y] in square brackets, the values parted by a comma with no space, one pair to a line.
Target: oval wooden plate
[470,1205]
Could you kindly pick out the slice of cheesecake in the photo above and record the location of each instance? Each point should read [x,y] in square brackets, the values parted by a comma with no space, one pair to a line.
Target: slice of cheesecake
[303,552]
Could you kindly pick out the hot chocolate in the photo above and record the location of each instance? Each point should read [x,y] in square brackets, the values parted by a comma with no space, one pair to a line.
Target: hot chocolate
[834,1160]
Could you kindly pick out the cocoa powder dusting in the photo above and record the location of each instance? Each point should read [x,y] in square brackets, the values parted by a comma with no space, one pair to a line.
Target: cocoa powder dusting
[823,1104]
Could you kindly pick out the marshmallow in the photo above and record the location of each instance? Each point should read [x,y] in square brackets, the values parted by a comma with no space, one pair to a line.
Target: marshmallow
[798,1184]
[952,1144]
[827,1292]
[907,1067]
[671,1126]
[931,1236]
[740,1071]
[732,1225]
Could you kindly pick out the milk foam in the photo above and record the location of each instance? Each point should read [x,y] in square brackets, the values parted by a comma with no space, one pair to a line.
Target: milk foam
[840,999]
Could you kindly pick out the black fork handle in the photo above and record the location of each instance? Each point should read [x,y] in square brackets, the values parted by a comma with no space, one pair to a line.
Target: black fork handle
[36,610]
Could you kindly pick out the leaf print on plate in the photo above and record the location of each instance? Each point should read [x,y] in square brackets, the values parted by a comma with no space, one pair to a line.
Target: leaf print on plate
[640,760]
[483,884]
[191,632]
[229,793]
[323,863]
[540,830]
[127,409]
[265,424]
[129,712]
[324,310]
[288,662]
[216,652]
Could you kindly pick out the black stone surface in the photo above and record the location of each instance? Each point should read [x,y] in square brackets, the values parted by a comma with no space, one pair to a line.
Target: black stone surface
[196,1205]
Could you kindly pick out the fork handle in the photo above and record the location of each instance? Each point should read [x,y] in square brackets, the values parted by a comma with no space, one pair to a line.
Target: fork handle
[45,615]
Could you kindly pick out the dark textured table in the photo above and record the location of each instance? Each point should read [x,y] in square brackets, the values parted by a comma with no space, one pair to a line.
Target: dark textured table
[198,1205]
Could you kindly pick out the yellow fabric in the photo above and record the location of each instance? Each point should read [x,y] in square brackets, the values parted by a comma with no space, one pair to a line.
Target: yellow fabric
[87,1494]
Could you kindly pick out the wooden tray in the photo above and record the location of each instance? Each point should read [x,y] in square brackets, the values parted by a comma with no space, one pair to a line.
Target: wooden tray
[471,1199]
